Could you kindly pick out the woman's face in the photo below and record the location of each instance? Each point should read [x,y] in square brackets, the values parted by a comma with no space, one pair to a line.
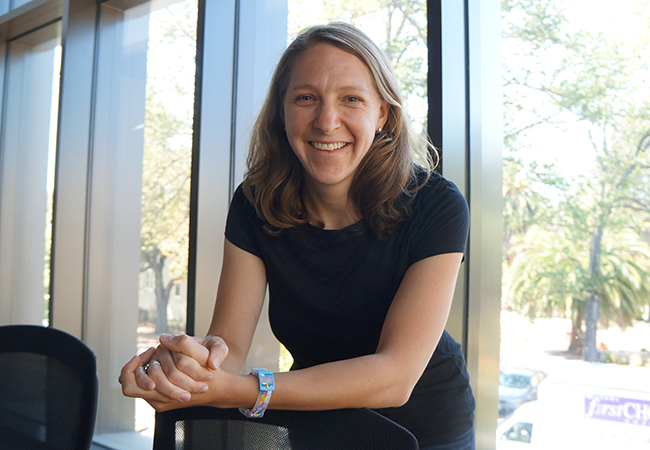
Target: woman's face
[331,114]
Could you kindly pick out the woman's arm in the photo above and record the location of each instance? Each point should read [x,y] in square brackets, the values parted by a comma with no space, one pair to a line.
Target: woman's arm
[238,306]
[410,334]
[186,361]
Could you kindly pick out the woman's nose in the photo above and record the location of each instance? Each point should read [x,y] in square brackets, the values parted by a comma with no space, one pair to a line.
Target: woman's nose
[327,118]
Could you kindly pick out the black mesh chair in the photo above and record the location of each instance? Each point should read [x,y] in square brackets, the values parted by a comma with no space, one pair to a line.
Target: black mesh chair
[48,390]
[203,428]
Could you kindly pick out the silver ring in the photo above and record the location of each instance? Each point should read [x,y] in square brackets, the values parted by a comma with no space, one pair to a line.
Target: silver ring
[148,366]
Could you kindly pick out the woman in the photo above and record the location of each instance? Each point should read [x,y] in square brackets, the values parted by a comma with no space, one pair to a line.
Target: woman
[360,249]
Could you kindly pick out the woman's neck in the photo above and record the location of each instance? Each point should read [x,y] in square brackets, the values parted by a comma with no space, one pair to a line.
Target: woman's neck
[332,206]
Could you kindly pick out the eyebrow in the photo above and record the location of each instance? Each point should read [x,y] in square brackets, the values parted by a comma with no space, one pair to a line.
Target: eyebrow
[342,88]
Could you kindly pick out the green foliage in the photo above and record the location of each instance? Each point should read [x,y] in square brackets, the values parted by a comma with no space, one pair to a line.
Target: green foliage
[550,276]
[166,186]
[581,242]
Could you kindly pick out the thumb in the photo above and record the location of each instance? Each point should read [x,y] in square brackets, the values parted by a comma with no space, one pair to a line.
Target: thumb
[218,351]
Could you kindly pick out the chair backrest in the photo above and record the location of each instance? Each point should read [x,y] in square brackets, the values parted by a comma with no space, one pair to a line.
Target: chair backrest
[204,428]
[48,389]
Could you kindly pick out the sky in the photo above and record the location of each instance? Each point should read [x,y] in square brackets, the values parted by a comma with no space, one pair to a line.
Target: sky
[571,149]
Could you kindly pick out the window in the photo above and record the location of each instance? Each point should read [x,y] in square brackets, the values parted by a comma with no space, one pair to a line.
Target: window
[141,171]
[28,150]
[576,252]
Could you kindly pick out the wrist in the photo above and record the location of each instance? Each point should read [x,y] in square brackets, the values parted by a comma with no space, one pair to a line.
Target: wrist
[234,390]
[266,385]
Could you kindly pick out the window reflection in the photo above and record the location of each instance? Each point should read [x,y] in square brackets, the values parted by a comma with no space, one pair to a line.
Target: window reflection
[28,152]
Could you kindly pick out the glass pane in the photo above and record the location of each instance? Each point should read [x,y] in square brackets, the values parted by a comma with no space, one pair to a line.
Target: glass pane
[27,174]
[575,328]
[169,111]
[141,185]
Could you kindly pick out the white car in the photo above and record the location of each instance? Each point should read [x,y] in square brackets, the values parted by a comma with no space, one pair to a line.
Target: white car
[593,406]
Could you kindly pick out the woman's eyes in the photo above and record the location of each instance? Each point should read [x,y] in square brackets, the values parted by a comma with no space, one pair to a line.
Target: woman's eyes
[306,98]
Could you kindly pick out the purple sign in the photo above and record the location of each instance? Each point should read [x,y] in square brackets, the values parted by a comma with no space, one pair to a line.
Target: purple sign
[617,409]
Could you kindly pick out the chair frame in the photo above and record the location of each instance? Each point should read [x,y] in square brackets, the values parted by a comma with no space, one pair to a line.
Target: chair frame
[53,343]
[370,428]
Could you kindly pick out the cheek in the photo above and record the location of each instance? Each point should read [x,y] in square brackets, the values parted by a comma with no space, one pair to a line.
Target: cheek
[292,124]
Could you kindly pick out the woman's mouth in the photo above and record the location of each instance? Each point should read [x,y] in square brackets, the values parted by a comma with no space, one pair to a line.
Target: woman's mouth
[328,147]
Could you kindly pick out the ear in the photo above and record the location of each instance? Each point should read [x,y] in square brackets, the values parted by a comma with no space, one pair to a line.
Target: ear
[383,115]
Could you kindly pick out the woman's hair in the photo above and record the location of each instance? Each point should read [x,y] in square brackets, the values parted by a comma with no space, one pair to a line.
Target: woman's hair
[274,180]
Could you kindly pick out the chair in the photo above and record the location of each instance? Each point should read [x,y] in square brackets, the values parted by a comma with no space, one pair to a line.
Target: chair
[203,428]
[48,390]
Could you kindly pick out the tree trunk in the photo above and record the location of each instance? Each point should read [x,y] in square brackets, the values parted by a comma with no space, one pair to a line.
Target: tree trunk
[577,341]
[162,296]
[592,310]
[592,306]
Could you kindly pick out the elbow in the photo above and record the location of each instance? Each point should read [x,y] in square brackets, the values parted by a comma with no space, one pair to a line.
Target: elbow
[399,386]
[397,383]
[404,398]
[399,395]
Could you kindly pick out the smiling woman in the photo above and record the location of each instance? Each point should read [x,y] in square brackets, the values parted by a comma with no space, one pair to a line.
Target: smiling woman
[376,179]
[332,112]
[360,249]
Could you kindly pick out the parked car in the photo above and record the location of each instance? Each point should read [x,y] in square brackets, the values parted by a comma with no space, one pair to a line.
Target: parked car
[590,406]
[516,387]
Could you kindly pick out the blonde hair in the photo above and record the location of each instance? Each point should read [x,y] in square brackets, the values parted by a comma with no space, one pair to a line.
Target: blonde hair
[274,180]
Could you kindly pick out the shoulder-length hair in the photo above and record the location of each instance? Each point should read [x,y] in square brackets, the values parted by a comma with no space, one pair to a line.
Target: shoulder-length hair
[274,180]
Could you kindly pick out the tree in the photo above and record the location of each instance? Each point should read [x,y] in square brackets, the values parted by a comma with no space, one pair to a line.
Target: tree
[598,82]
[167,150]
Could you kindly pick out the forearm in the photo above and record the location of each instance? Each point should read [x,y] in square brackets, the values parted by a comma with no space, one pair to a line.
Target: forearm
[372,381]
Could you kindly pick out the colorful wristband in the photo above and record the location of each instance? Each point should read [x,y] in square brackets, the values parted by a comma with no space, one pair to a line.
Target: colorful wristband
[267,386]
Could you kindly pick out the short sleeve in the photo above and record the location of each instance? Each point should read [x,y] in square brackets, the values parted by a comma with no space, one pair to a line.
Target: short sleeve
[242,224]
[440,221]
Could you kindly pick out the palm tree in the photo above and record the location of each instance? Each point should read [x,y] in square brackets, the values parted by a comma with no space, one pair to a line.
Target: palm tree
[550,277]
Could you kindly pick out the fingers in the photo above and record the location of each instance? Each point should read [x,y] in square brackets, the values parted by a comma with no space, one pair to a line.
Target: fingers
[165,389]
[178,376]
[127,379]
[218,351]
[190,357]
[188,366]
[141,378]
[134,366]
[186,345]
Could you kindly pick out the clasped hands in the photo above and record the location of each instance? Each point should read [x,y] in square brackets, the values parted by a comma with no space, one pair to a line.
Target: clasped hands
[189,372]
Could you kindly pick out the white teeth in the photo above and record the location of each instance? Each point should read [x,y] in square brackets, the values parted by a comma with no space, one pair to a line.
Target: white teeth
[321,146]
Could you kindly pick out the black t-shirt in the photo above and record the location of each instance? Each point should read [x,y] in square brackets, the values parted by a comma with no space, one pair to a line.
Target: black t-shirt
[330,291]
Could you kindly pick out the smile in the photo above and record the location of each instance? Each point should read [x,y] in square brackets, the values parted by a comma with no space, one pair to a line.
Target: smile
[329,147]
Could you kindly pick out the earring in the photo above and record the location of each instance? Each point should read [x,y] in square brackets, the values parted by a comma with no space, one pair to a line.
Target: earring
[379,130]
